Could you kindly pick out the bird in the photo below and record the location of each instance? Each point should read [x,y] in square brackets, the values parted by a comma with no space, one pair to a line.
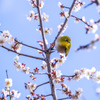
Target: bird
[63,44]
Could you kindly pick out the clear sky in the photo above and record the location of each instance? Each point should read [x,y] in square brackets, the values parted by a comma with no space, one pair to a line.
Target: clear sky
[13,18]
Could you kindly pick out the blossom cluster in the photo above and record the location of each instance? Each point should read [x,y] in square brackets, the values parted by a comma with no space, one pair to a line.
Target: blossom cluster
[35,16]
[91,44]
[7,92]
[29,97]
[92,28]
[60,26]
[46,30]
[7,37]
[55,62]
[31,87]
[88,73]
[78,4]
[20,67]
[66,90]
[34,3]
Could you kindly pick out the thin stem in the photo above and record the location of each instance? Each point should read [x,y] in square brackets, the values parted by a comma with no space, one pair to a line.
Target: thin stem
[39,73]
[22,54]
[65,98]
[7,73]
[68,76]
[40,19]
[89,4]
[67,7]
[60,89]
[97,2]
[48,95]
[31,46]
[41,85]
[81,20]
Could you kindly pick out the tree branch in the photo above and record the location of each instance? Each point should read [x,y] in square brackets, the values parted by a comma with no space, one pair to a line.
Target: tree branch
[87,46]
[23,54]
[65,22]
[6,73]
[40,19]
[41,85]
[97,2]
[30,46]
[81,20]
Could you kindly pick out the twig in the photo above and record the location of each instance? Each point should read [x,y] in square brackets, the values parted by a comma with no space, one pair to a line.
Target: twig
[66,7]
[41,85]
[87,45]
[6,73]
[1,31]
[22,54]
[65,98]
[68,76]
[89,4]
[30,46]
[97,2]
[48,95]
[60,89]
[81,20]
[39,73]
[40,19]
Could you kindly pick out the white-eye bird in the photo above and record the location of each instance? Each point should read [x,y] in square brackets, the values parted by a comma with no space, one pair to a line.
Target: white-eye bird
[63,44]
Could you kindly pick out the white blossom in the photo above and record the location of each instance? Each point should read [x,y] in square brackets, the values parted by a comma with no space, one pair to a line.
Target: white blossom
[45,17]
[31,86]
[58,73]
[6,33]
[44,66]
[18,66]
[66,14]
[16,58]
[2,40]
[98,8]
[5,93]
[8,82]
[98,90]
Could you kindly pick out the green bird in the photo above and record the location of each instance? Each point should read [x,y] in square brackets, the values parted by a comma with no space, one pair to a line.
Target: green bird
[63,44]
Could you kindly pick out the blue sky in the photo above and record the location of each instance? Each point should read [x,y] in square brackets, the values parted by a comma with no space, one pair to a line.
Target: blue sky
[13,18]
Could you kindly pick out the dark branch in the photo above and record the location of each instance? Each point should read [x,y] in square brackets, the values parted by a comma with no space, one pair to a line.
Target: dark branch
[30,46]
[41,85]
[68,76]
[65,22]
[89,4]
[39,73]
[65,98]
[81,20]
[22,54]
[48,95]
[40,19]
[6,73]
[90,45]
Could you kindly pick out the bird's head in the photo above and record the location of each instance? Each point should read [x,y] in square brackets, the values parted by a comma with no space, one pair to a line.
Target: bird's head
[65,41]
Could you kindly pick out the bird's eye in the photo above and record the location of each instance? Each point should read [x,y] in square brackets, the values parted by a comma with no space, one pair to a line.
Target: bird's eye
[66,40]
